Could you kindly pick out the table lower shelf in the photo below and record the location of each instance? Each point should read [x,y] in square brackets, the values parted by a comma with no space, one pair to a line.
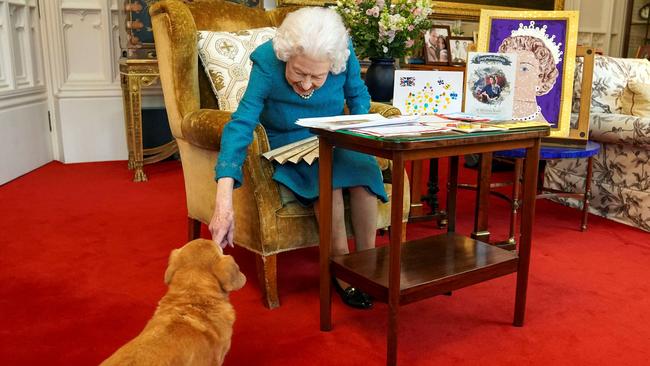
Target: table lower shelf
[429,267]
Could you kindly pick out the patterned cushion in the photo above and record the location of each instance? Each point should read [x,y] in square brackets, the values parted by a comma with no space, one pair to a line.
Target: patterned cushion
[225,57]
[635,100]
[611,76]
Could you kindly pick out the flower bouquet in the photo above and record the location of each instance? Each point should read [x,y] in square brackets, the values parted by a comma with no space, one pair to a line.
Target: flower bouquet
[384,28]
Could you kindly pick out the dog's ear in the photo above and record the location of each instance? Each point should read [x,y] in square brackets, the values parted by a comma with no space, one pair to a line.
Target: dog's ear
[228,273]
[172,265]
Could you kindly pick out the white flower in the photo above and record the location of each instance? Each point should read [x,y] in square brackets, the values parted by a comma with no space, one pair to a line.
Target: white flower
[385,49]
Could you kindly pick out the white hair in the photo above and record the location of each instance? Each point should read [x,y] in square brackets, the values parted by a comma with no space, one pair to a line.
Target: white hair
[315,32]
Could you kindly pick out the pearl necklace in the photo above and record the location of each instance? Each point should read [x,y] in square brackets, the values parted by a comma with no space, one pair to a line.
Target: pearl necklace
[308,95]
[529,117]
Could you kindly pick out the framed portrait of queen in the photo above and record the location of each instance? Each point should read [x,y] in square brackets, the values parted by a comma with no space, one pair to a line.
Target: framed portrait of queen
[545,45]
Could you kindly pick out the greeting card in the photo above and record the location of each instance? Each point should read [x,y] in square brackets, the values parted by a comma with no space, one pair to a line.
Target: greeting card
[428,92]
[491,84]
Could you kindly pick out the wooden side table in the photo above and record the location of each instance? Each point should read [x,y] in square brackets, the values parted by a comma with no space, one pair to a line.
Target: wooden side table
[135,74]
[403,273]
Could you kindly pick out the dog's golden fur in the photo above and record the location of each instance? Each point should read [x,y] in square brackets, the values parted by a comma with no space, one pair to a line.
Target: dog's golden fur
[193,322]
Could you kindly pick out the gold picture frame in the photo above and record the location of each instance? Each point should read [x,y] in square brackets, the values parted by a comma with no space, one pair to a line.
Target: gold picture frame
[471,9]
[555,97]
[281,3]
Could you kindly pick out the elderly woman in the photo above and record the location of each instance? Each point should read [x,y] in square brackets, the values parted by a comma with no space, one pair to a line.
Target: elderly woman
[308,70]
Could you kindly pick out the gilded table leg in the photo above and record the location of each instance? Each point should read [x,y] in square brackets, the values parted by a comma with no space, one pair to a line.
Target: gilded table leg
[136,118]
[128,118]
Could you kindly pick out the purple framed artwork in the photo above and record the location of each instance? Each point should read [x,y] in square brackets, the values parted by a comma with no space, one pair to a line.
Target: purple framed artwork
[545,45]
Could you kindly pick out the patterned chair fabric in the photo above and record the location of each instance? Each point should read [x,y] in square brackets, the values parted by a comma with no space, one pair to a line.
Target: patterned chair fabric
[621,171]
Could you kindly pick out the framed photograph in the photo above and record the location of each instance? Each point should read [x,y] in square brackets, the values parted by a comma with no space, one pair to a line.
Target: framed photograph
[436,45]
[545,45]
[458,49]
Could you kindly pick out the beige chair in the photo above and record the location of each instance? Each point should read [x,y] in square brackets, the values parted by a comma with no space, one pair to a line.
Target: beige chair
[263,224]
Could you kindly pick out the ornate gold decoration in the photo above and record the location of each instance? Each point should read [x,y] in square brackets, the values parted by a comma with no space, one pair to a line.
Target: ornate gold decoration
[135,74]
[472,12]
[570,44]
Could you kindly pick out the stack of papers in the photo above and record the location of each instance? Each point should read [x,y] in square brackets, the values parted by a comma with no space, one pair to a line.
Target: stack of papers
[353,121]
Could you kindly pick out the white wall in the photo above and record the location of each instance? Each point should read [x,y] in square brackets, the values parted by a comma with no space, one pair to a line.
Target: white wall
[24,132]
[602,24]
[86,100]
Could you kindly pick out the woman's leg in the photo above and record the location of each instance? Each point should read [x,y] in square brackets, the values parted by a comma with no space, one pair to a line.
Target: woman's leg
[363,207]
[339,237]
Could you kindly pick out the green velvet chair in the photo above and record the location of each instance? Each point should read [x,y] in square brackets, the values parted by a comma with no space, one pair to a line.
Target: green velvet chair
[263,224]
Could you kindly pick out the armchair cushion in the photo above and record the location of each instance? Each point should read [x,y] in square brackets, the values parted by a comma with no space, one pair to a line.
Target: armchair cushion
[226,61]
[636,99]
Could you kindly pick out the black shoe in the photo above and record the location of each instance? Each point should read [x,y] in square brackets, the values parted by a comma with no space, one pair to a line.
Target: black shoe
[352,296]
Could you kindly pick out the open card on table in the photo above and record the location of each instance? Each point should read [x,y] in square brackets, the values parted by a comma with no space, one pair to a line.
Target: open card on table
[428,92]
[491,84]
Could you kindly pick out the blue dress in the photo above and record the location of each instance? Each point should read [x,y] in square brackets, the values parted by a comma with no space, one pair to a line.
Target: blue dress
[271,101]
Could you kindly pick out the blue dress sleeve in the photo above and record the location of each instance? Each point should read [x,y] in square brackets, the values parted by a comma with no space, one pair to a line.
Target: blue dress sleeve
[355,91]
[238,133]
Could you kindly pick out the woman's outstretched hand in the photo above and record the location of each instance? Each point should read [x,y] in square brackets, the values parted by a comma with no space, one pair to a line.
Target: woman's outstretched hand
[222,224]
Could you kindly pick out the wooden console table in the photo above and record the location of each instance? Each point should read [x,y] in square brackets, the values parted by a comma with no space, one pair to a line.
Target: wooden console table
[135,74]
[403,273]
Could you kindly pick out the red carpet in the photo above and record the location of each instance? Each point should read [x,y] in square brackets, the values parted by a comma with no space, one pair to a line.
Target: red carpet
[83,251]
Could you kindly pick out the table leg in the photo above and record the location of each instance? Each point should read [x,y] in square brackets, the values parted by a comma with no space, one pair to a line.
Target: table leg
[585,200]
[482,199]
[417,209]
[516,188]
[325,228]
[526,230]
[135,111]
[452,192]
[128,118]
[431,198]
[394,267]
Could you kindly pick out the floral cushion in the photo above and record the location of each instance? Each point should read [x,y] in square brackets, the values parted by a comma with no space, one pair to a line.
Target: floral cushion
[225,58]
[611,76]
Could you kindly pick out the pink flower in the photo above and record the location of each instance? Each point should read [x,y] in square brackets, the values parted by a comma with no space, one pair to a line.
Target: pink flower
[410,27]
[417,11]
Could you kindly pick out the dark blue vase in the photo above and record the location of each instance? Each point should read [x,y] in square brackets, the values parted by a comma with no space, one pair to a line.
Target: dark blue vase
[379,79]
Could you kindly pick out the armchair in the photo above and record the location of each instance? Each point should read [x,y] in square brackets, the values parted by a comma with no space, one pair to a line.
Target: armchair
[264,225]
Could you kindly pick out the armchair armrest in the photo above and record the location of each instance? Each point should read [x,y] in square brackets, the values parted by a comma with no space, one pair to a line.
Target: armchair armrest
[620,129]
[203,127]
[384,109]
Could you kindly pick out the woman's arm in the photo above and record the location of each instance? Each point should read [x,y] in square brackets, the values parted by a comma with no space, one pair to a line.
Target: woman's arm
[238,133]
[236,137]
[354,89]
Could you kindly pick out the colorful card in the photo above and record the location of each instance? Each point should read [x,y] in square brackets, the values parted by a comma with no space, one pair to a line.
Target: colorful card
[491,84]
[428,92]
